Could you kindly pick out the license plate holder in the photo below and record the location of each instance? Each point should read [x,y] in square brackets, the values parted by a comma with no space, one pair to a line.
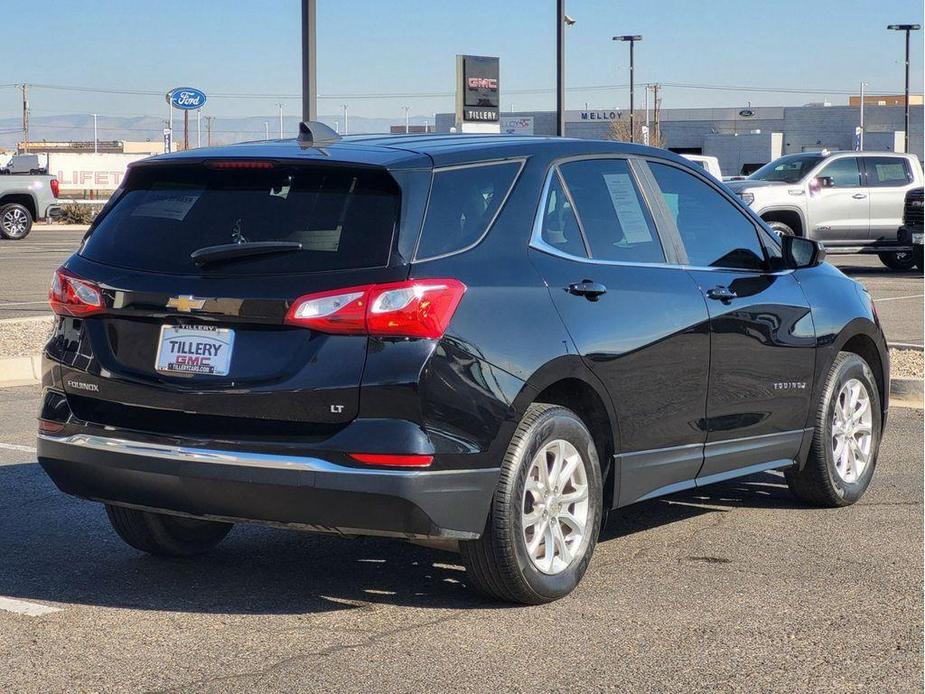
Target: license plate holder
[194,350]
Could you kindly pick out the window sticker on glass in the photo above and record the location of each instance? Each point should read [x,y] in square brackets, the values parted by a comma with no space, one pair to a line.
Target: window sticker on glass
[629,211]
[325,240]
[167,204]
[891,172]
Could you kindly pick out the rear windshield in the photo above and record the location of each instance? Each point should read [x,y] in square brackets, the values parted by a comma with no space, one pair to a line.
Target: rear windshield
[344,218]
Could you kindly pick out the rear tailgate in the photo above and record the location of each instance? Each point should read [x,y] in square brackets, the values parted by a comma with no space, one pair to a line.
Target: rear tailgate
[180,339]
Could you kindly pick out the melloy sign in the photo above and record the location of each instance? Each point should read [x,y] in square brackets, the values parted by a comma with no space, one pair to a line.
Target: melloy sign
[185,99]
[593,115]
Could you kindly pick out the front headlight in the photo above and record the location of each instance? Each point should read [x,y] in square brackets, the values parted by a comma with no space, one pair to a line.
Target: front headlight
[747,198]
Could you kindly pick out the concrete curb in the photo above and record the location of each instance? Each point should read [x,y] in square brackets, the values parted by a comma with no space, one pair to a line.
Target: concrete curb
[20,371]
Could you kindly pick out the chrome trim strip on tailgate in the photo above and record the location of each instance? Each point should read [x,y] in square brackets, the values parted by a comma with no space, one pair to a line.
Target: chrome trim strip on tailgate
[219,457]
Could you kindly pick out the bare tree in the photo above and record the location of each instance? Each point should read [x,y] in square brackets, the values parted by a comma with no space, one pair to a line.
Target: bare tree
[620,130]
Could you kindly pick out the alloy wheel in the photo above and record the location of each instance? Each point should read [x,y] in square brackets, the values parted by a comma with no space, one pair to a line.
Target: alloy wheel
[14,222]
[852,431]
[556,507]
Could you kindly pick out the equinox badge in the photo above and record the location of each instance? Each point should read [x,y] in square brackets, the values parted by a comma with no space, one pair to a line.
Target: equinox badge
[186,303]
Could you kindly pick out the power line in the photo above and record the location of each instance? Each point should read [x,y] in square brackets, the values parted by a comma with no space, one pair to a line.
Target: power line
[441,94]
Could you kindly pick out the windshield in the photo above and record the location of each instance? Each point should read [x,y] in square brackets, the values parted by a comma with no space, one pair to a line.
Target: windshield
[329,218]
[787,169]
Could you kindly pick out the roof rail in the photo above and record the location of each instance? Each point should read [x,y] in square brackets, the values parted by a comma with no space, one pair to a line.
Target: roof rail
[315,134]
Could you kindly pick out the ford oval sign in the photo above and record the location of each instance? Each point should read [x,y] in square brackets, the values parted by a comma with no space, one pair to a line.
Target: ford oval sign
[186,98]
[746,113]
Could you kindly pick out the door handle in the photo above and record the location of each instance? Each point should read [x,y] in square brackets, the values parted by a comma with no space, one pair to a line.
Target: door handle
[859,196]
[721,293]
[589,289]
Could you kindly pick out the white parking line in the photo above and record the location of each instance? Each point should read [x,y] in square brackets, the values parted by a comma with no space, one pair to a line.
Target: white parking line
[22,303]
[16,447]
[897,298]
[30,609]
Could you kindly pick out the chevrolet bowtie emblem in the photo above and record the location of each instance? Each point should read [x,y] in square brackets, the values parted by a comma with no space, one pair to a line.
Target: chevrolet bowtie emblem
[186,303]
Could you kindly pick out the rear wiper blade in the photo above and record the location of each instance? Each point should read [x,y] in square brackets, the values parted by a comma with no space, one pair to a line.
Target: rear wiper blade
[233,251]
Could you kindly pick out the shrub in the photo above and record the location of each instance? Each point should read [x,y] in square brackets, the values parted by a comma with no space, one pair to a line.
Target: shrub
[79,214]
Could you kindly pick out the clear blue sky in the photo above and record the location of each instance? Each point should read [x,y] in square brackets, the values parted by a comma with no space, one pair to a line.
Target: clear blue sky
[408,47]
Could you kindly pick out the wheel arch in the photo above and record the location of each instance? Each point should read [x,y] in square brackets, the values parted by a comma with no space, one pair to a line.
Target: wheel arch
[791,216]
[566,381]
[23,199]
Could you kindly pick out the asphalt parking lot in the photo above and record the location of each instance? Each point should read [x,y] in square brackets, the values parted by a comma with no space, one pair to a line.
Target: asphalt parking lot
[735,587]
[26,267]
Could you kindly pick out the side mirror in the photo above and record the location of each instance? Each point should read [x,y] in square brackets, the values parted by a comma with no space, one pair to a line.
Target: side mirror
[825,181]
[801,253]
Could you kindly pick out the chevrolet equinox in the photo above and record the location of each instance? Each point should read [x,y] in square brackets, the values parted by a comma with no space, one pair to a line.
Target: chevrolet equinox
[486,340]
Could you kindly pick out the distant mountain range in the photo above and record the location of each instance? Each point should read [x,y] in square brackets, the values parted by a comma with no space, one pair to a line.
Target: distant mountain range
[79,126]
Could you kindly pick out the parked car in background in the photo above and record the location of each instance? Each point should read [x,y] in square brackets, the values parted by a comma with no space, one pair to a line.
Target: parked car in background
[708,164]
[851,201]
[912,228]
[23,200]
[490,340]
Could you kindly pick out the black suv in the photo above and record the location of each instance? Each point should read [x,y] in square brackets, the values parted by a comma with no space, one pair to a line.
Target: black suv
[489,340]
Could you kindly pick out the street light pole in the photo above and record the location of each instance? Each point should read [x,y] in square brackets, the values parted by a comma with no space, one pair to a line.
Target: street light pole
[95,138]
[861,136]
[346,129]
[632,39]
[309,63]
[908,28]
[407,126]
[560,68]
[280,121]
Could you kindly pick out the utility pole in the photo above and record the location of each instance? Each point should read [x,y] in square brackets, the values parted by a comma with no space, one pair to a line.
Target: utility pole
[280,121]
[861,136]
[631,39]
[185,130]
[907,28]
[656,109]
[560,68]
[309,62]
[25,114]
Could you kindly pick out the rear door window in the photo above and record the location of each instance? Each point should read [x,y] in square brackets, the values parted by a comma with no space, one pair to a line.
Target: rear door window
[463,203]
[888,172]
[344,218]
[613,215]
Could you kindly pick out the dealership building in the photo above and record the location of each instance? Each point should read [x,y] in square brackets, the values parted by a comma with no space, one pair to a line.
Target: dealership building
[739,137]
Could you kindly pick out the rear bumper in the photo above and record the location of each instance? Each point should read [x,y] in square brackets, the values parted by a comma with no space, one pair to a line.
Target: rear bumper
[286,490]
[54,212]
[910,236]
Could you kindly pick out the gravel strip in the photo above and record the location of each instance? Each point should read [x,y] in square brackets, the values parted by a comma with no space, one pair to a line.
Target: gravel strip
[23,338]
[906,363]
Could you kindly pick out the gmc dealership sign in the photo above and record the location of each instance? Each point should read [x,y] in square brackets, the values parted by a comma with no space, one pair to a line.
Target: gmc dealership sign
[478,93]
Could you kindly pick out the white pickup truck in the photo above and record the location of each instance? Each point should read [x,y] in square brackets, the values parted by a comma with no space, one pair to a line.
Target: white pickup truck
[24,198]
[851,201]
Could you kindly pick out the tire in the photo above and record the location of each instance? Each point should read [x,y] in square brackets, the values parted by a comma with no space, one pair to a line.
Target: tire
[499,563]
[901,262]
[163,535]
[781,229]
[917,254]
[821,482]
[15,221]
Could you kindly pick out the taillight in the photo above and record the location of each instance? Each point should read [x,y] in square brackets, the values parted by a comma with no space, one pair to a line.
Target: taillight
[415,308]
[393,460]
[55,186]
[72,296]
[239,164]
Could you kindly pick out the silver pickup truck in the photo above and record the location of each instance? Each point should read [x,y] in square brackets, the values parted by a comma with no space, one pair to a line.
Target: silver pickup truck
[25,198]
[851,201]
